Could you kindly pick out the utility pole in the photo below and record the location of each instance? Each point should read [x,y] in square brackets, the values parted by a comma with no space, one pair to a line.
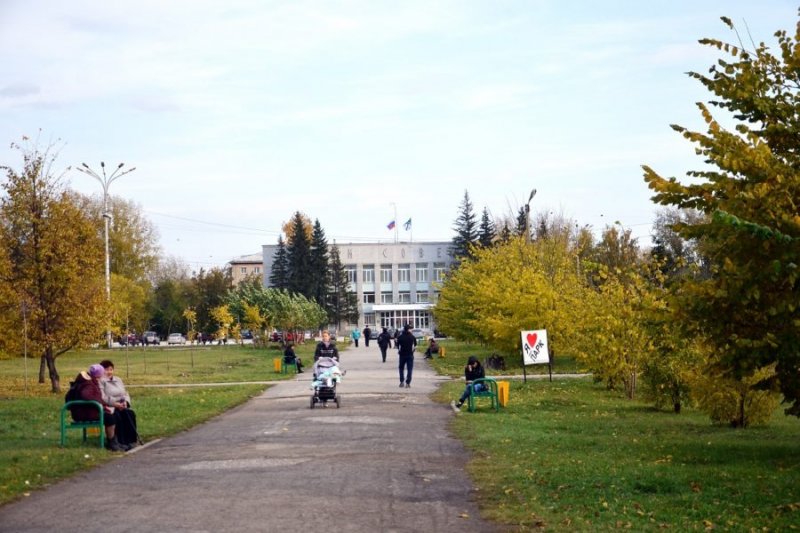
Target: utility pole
[106,181]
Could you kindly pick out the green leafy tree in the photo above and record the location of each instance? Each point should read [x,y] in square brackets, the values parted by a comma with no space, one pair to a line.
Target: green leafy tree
[747,308]
[486,233]
[209,289]
[279,278]
[298,253]
[342,304]
[466,228]
[54,264]
[133,240]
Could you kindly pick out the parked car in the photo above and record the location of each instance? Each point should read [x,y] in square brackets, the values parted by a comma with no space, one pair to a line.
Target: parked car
[130,339]
[418,334]
[151,337]
[176,338]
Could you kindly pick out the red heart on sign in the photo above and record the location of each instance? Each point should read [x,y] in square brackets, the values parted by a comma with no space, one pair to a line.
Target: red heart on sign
[531,339]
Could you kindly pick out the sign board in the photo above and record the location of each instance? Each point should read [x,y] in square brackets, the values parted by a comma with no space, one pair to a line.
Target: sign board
[534,347]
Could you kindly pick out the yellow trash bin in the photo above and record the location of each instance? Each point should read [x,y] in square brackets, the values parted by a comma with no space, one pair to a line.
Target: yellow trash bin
[276,363]
[502,393]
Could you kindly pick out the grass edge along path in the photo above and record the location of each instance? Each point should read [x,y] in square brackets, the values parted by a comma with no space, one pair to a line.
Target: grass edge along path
[570,455]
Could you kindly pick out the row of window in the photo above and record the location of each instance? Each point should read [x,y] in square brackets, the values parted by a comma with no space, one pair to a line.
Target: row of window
[256,270]
[403,273]
[403,297]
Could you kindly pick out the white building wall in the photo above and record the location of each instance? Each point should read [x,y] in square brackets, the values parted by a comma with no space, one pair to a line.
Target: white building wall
[422,254]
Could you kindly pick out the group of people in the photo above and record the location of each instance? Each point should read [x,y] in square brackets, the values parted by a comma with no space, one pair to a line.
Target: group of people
[99,384]
[405,343]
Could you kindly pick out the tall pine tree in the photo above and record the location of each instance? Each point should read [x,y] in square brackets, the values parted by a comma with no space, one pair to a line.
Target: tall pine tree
[298,253]
[487,234]
[466,228]
[279,278]
[342,304]
[319,265]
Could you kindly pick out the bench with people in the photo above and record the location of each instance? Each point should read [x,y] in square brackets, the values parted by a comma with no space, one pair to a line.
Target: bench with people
[99,386]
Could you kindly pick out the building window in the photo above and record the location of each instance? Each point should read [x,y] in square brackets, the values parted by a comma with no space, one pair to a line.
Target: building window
[404,273]
[404,297]
[369,318]
[368,272]
[386,297]
[439,270]
[350,270]
[422,273]
[386,273]
[423,298]
[369,298]
[257,270]
[243,270]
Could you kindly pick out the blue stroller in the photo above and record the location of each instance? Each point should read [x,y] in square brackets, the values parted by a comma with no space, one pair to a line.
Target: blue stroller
[327,374]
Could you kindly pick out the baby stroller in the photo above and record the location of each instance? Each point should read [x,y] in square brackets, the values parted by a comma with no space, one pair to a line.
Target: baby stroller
[327,374]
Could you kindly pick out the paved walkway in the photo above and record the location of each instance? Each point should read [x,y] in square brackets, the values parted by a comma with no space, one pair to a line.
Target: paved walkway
[384,461]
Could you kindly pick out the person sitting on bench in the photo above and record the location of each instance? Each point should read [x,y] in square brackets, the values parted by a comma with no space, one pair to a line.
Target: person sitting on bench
[473,371]
[290,358]
[433,348]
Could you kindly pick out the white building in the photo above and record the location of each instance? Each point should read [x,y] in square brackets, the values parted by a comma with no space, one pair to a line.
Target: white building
[396,283]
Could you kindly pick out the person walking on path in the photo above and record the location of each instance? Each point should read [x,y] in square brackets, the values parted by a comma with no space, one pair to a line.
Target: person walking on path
[384,339]
[355,335]
[367,334]
[406,343]
[326,348]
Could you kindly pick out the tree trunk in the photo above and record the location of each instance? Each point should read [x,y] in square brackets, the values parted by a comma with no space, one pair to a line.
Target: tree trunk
[55,379]
[42,366]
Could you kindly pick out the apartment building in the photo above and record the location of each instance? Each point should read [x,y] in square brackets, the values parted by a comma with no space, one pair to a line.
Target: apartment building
[246,266]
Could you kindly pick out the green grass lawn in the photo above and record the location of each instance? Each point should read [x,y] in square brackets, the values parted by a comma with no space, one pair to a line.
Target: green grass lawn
[569,455]
[30,456]
[563,455]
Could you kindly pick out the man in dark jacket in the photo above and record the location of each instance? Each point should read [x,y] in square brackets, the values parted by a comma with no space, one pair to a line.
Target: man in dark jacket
[367,335]
[406,343]
[384,340]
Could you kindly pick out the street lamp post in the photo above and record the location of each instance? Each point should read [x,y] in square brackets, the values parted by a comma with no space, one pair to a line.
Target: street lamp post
[528,217]
[106,181]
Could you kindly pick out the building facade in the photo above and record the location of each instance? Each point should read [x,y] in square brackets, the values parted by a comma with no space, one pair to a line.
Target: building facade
[396,283]
[246,266]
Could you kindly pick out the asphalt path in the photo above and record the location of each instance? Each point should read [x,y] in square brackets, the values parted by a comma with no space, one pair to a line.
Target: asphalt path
[383,461]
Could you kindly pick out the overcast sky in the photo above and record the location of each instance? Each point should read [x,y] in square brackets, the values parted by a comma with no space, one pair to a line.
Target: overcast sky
[236,113]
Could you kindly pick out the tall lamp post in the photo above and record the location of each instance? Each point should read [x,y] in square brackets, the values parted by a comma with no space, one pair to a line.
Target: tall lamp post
[106,181]
[528,217]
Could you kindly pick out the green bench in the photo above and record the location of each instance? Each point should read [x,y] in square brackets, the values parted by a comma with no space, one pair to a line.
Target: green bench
[288,367]
[490,392]
[66,424]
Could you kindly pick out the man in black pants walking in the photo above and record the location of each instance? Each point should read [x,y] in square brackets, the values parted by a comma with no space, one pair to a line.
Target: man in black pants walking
[406,344]
[367,334]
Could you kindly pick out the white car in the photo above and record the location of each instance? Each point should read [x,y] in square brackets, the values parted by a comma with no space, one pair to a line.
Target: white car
[176,338]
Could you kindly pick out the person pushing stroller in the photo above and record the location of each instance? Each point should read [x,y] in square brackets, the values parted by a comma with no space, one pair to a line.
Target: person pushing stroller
[327,374]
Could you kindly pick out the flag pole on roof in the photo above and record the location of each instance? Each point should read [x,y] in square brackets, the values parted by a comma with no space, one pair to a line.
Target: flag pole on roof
[407,225]
[393,225]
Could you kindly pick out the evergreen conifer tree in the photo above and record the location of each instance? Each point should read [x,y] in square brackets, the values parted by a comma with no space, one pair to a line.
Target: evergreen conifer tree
[319,265]
[466,228]
[487,232]
[298,253]
[522,222]
[279,278]
[342,304]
